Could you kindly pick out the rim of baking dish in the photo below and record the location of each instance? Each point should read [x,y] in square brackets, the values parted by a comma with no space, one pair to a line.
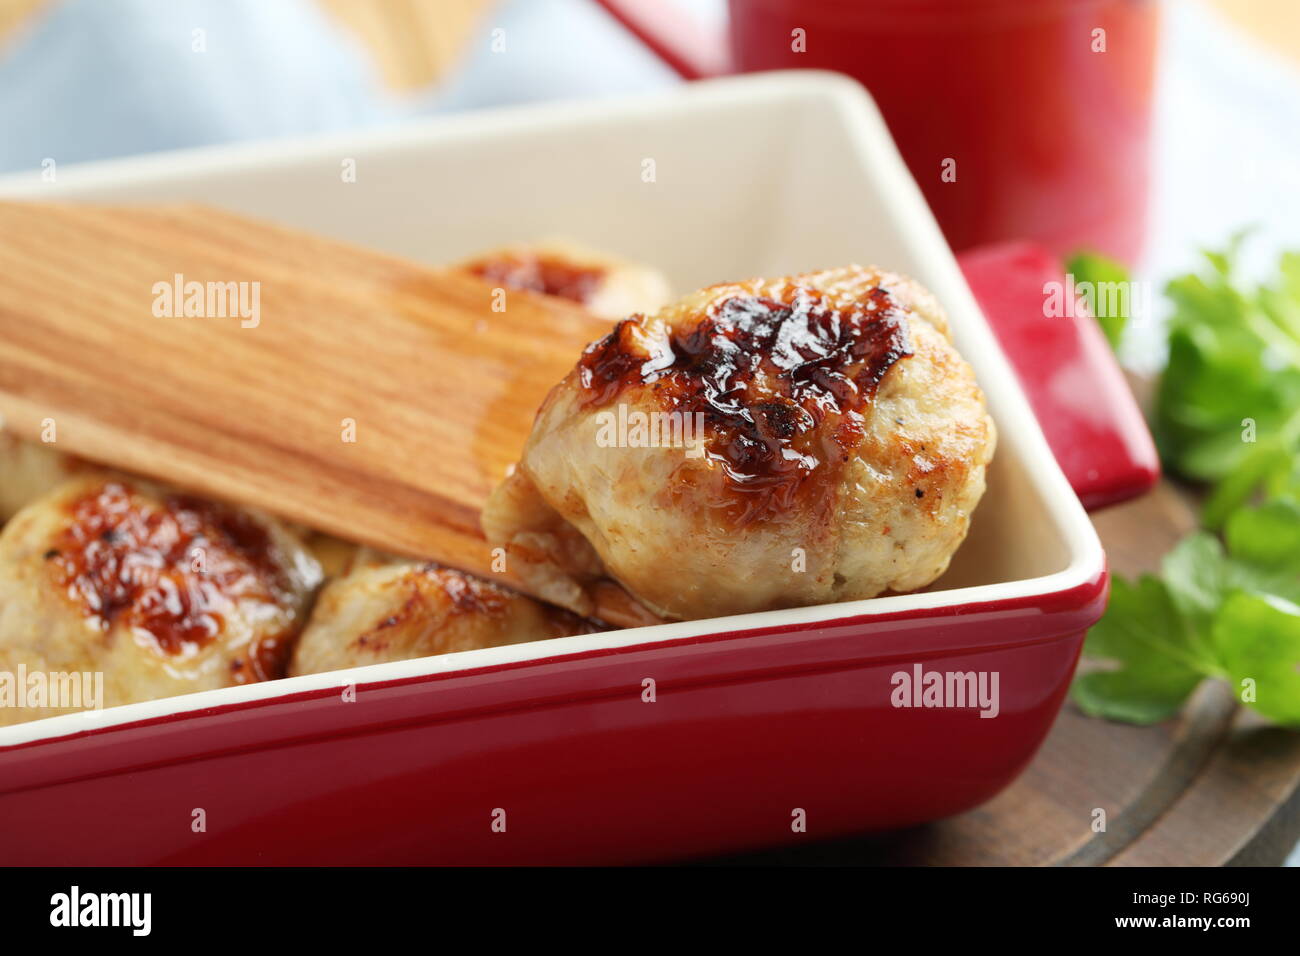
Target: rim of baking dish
[1086,560]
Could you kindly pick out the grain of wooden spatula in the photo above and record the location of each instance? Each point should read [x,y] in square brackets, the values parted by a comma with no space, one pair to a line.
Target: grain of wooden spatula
[348,390]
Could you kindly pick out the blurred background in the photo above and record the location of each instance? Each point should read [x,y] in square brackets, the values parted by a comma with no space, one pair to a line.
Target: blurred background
[91,79]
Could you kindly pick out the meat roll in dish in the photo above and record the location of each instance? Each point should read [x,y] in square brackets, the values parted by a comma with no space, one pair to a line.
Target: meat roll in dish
[387,609]
[610,288]
[756,445]
[29,469]
[162,593]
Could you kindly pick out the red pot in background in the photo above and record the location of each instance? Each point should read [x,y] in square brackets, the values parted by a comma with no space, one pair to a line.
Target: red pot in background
[1044,120]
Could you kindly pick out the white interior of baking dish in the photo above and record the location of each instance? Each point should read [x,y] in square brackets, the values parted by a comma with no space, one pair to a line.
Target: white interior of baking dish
[760,175]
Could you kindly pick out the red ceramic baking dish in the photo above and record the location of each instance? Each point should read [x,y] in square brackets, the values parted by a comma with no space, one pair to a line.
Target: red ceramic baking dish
[655,743]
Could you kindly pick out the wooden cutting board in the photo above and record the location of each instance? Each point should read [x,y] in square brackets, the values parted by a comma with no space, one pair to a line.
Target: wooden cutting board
[1215,786]
[353,392]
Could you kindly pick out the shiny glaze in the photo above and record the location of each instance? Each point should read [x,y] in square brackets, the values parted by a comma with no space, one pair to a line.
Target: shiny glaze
[541,273]
[468,595]
[782,385]
[175,570]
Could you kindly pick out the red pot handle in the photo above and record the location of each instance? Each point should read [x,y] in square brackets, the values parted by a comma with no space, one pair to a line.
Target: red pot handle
[1068,371]
[673,35]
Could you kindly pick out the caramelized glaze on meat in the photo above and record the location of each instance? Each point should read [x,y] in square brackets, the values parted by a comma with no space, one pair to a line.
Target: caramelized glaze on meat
[387,609]
[162,593]
[537,272]
[604,285]
[176,570]
[766,376]
[842,446]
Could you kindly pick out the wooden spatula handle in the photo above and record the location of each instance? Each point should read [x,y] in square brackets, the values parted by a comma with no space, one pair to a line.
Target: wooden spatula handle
[347,390]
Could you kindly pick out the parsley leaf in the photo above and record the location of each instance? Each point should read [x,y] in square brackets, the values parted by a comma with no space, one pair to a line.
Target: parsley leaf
[1105,288]
[1269,537]
[1229,614]
[1227,408]
[1227,602]
[1145,637]
[1259,640]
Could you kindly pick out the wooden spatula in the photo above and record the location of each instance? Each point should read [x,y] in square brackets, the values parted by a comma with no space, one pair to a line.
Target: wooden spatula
[348,390]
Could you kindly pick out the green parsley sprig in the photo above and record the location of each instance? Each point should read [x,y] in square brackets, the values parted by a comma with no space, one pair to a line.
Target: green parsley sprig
[1226,604]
